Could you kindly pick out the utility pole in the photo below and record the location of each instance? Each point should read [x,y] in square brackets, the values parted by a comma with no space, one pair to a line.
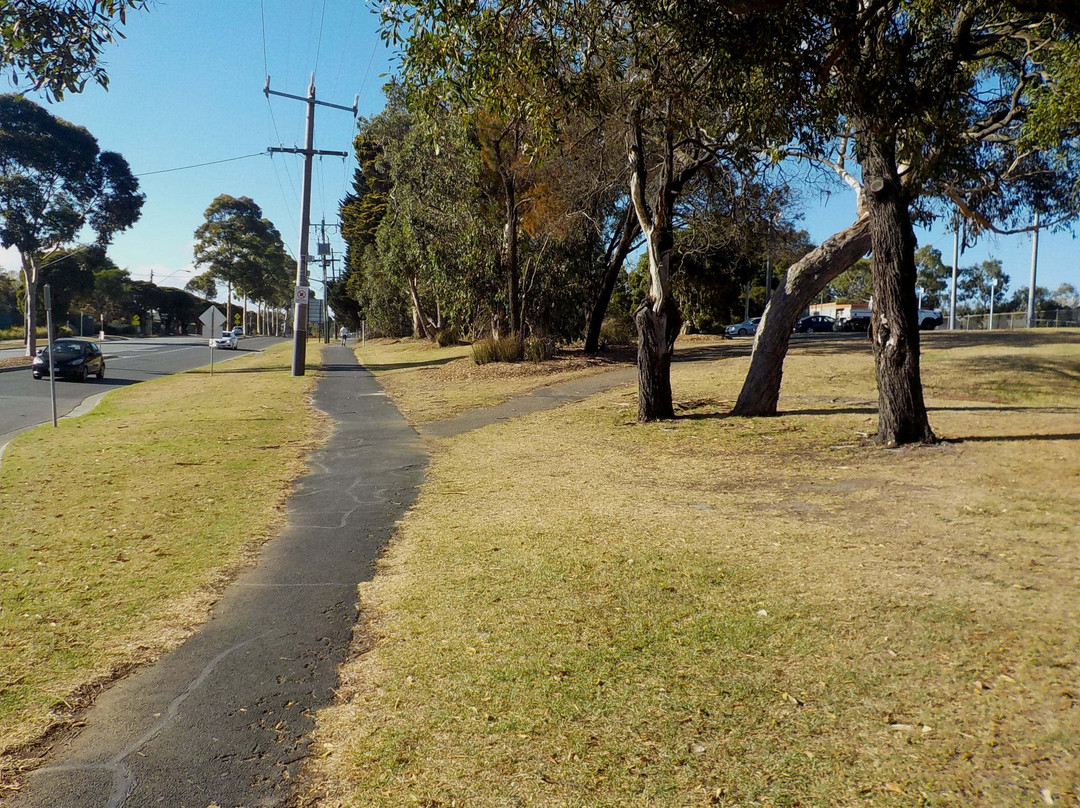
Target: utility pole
[300,312]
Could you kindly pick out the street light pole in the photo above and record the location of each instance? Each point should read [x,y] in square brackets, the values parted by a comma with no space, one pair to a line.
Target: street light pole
[993,286]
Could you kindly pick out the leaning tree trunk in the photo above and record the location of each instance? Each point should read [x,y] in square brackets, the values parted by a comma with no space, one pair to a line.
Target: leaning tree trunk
[657,332]
[805,279]
[422,325]
[630,229]
[894,326]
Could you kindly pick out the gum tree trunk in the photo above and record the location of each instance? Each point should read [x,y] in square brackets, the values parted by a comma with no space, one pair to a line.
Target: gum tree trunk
[657,332]
[805,279]
[30,277]
[894,327]
[629,231]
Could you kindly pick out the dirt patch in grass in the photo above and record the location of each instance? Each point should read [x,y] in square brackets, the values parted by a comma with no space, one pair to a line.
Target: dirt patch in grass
[119,529]
[16,362]
[582,611]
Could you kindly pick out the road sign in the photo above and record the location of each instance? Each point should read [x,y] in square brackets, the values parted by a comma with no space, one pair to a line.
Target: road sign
[314,310]
[135,320]
[303,293]
[213,320]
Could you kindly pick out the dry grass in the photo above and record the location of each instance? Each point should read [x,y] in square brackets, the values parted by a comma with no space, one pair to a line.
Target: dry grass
[429,383]
[119,528]
[581,611]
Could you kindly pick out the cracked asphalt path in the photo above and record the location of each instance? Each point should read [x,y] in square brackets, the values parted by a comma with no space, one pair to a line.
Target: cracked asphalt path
[224,719]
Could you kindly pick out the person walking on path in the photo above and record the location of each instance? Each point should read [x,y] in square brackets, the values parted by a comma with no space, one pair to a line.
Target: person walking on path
[344,334]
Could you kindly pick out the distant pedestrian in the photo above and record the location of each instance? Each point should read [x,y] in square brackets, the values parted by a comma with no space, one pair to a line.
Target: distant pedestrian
[344,333]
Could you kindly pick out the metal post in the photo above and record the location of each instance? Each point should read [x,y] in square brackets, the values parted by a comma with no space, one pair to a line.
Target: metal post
[993,286]
[1031,283]
[48,344]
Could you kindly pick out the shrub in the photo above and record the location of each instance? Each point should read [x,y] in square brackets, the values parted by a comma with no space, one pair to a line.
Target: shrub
[538,349]
[505,349]
[617,332]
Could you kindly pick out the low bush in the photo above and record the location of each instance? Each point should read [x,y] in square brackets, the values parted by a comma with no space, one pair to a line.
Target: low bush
[617,332]
[504,349]
[538,349]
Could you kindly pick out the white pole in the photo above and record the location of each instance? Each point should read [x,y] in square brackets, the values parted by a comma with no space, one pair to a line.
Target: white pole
[955,271]
[993,285]
[1031,283]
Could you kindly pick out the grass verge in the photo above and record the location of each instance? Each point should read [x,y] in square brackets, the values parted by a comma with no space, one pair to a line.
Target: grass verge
[582,611]
[429,383]
[119,527]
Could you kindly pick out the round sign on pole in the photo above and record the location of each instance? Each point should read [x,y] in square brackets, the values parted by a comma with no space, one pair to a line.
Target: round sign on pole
[302,294]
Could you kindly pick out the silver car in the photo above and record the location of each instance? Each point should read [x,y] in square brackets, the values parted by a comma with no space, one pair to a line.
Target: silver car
[226,340]
[747,328]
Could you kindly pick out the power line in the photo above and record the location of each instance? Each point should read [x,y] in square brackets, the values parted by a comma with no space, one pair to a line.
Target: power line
[200,165]
[318,46]
[262,18]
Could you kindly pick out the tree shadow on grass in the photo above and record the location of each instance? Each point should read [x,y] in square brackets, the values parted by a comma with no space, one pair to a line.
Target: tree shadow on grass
[1013,438]
[374,367]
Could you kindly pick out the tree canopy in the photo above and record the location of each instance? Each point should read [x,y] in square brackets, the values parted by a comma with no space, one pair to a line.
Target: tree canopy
[55,181]
[57,46]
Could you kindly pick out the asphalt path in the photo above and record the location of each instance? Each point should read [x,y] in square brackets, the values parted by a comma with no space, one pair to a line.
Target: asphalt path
[225,719]
[24,401]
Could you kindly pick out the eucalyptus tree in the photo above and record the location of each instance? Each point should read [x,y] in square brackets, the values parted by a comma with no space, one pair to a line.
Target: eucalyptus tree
[237,245]
[54,181]
[203,285]
[941,105]
[57,46]
[680,114]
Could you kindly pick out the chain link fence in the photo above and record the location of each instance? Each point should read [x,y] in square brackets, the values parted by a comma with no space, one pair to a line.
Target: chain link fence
[1009,320]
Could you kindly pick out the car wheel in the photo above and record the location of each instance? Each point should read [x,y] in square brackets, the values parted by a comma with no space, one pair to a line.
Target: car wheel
[101,371]
[742,332]
[84,373]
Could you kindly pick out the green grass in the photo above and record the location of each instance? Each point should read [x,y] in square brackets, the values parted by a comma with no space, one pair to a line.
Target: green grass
[119,526]
[582,611]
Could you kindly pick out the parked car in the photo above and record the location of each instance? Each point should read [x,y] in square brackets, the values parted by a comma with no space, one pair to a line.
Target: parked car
[745,328]
[71,357]
[226,340]
[929,320]
[860,322]
[238,331]
[815,322]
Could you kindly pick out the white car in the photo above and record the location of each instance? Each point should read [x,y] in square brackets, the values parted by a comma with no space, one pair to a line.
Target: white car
[226,340]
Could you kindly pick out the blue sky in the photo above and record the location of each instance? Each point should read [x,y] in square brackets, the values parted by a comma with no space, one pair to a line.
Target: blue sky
[187,88]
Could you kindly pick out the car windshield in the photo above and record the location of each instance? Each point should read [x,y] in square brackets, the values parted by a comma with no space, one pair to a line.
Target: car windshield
[66,347]
[226,334]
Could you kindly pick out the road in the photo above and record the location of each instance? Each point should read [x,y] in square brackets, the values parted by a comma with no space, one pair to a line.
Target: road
[24,401]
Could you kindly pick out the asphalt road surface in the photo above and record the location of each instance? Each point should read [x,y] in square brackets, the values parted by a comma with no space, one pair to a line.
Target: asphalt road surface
[24,401]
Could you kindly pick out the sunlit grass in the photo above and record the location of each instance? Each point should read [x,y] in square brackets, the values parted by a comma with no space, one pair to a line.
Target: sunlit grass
[583,611]
[429,383]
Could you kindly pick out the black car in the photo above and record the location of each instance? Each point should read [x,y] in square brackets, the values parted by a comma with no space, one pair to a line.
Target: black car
[71,357]
[860,322]
[815,322]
